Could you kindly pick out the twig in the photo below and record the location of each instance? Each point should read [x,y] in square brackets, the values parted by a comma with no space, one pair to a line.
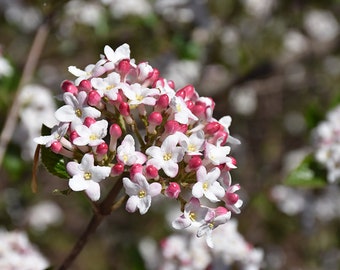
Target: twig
[30,66]
[104,209]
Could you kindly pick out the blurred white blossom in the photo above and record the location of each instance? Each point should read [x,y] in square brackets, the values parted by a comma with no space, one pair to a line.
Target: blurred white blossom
[88,13]
[243,100]
[259,8]
[5,67]
[44,214]
[26,18]
[321,25]
[122,8]
[16,252]
[186,251]
[37,107]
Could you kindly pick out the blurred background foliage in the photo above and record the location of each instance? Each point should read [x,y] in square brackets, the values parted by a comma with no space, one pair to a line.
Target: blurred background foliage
[272,65]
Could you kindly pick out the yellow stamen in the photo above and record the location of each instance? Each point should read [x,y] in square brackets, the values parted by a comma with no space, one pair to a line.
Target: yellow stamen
[141,194]
[87,176]
[78,112]
[192,216]
[205,186]
[167,156]
[93,137]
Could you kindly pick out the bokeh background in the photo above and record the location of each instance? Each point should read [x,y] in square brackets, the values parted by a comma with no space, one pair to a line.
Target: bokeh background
[272,65]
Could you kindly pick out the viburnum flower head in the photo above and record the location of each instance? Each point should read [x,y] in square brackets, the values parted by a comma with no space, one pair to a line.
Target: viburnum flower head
[86,176]
[122,120]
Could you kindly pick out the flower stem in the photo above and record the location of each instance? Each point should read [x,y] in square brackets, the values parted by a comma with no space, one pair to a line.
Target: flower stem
[103,210]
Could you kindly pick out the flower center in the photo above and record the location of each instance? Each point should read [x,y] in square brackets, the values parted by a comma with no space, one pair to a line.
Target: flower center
[93,137]
[78,112]
[178,108]
[87,176]
[167,156]
[141,194]
[192,148]
[139,97]
[205,186]
[125,158]
[192,216]
[109,87]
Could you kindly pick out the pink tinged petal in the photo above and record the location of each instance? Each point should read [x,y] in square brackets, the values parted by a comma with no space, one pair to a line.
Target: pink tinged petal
[81,141]
[213,174]
[181,223]
[234,188]
[73,168]
[217,189]
[197,190]
[203,230]
[144,204]
[155,189]
[141,158]
[149,101]
[93,190]
[170,168]
[78,183]
[132,204]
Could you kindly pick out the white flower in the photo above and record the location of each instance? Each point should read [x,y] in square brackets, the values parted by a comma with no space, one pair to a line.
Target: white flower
[193,144]
[121,53]
[108,86]
[138,94]
[18,253]
[213,219]
[76,109]
[167,156]
[5,68]
[182,113]
[225,121]
[217,154]
[127,154]
[193,213]
[92,135]
[140,192]
[92,70]
[58,132]
[207,185]
[86,176]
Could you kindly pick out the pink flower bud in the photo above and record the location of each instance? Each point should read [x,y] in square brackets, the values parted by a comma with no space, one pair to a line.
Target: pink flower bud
[117,169]
[151,171]
[102,149]
[221,137]
[198,109]
[56,147]
[163,101]
[190,104]
[180,93]
[124,109]
[232,198]
[115,131]
[153,76]
[73,135]
[68,86]
[93,98]
[171,127]
[212,127]
[135,168]
[124,67]
[88,121]
[155,118]
[220,210]
[173,190]
[189,91]
[171,84]
[85,85]
[195,162]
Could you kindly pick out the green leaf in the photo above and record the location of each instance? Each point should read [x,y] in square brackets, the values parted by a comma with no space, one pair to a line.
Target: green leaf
[309,173]
[53,162]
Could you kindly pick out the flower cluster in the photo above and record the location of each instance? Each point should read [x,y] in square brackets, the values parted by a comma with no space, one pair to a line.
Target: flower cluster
[327,144]
[184,251]
[122,119]
[17,252]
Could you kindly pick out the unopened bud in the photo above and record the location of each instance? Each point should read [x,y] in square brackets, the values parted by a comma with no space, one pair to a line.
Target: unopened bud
[173,190]
[68,86]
